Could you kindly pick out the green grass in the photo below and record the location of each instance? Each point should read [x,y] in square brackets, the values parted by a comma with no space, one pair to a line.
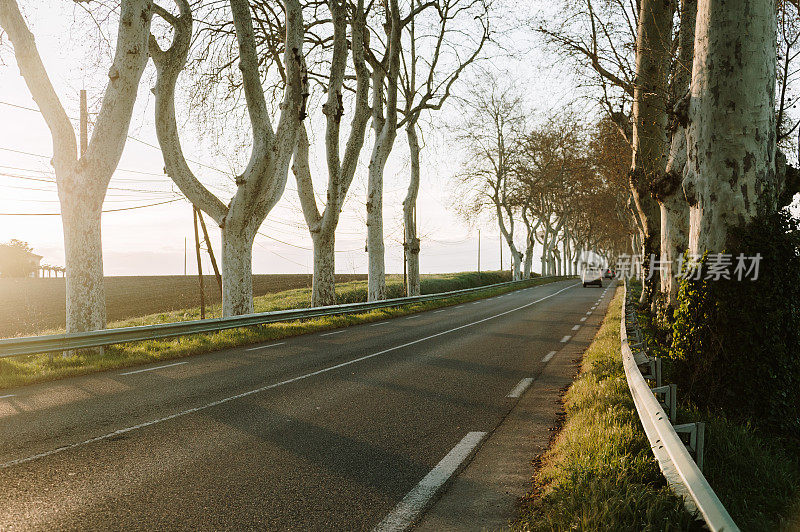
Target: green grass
[29,369]
[756,475]
[600,473]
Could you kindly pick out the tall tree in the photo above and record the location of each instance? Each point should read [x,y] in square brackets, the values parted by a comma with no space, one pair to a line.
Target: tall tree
[341,169]
[649,139]
[385,77]
[261,184]
[82,179]
[667,188]
[437,53]
[493,122]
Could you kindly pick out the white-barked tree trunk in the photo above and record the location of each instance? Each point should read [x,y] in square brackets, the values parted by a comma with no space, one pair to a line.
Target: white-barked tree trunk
[82,181]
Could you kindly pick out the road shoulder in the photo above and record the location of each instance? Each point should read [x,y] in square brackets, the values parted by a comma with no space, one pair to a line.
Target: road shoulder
[485,495]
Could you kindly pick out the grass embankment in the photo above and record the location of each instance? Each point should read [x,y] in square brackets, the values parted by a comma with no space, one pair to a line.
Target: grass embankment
[600,473]
[754,473]
[22,370]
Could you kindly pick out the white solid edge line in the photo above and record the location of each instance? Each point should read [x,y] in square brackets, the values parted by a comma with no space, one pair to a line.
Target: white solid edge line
[583,318]
[264,346]
[7,396]
[332,333]
[409,509]
[151,369]
[565,339]
[548,356]
[269,386]
[576,327]
[520,388]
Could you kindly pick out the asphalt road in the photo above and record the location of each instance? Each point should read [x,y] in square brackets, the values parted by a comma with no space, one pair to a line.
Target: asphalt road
[318,432]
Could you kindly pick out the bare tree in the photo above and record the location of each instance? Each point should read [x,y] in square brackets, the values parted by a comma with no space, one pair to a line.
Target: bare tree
[426,82]
[82,179]
[262,183]
[494,120]
[600,39]
[385,77]
[341,170]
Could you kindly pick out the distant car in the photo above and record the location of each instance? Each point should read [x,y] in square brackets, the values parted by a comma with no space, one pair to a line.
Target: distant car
[609,273]
[592,276]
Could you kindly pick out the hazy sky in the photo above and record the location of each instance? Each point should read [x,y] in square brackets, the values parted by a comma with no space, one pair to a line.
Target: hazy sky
[151,240]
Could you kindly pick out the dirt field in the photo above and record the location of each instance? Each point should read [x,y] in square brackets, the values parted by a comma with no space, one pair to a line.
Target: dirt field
[29,306]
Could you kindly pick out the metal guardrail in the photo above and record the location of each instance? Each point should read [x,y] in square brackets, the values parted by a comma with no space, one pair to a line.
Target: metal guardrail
[681,471]
[61,342]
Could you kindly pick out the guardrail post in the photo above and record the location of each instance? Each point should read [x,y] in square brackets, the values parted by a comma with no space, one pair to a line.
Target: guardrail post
[654,366]
[670,393]
[697,436]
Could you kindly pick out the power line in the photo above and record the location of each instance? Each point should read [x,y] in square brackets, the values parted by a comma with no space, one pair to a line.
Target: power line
[53,181]
[109,210]
[303,247]
[17,106]
[281,256]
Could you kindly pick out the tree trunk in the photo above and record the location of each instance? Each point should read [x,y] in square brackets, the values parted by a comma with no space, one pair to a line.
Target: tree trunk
[516,258]
[730,168]
[409,215]
[528,266]
[237,277]
[323,285]
[653,51]
[672,203]
[376,278]
[83,247]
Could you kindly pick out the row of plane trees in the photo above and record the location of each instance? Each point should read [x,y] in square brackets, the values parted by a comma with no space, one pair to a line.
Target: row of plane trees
[383,65]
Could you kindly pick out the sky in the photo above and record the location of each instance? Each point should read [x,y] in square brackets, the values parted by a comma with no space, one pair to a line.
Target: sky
[152,240]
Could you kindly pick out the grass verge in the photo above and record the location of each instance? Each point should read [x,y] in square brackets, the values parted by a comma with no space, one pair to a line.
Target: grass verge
[599,473]
[755,474]
[30,369]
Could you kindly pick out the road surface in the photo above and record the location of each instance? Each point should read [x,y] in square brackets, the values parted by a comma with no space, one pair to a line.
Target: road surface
[325,431]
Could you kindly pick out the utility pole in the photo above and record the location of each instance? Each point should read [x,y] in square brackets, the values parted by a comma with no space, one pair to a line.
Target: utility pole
[199,265]
[405,261]
[479,251]
[501,252]
[84,119]
[209,249]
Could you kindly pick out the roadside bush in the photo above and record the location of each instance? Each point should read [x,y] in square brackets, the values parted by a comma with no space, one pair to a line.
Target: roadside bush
[736,344]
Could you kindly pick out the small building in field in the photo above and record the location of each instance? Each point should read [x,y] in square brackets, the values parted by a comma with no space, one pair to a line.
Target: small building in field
[34,263]
[18,262]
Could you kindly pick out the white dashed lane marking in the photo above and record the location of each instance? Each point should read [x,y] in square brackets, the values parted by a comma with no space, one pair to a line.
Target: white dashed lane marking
[409,509]
[152,369]
[565,339]
[332,333]
[265,346]
[520,388]
[548,356]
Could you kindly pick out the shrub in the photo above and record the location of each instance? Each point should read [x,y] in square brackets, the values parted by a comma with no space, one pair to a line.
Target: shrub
[736,344]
